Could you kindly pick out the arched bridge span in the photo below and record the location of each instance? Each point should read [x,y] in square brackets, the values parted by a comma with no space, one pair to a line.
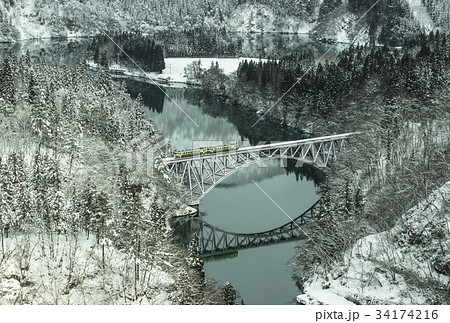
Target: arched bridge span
[202,173]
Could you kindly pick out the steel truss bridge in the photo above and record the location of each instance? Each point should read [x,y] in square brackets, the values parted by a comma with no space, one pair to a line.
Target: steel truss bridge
[201,173]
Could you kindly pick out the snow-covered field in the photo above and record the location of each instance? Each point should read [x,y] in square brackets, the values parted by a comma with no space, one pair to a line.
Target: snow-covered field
[175,66]
[396,266]
[174,71]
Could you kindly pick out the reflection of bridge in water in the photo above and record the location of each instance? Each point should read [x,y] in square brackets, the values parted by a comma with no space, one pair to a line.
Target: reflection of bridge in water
[202,173]
[215,241]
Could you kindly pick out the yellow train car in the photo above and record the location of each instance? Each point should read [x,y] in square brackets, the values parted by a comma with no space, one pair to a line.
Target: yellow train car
[205,150]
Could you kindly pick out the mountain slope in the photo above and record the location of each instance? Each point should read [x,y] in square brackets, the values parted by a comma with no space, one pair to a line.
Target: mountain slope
[408,264]
[334,20]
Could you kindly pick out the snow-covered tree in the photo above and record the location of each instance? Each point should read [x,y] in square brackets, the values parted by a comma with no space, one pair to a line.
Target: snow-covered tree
[229,294]
[194,257]
[6,198]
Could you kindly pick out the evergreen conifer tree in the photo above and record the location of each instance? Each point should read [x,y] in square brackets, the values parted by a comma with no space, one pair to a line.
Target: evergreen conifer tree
[195,259]
[7,88]
[229,294]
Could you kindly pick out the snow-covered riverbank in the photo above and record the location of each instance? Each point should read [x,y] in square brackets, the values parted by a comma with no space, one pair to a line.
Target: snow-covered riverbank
[400,266]
[174,74]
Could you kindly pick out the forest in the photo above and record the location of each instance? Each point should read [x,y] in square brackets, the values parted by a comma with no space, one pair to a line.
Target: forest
[128,49]
[387,22]
[78,223]
[81,223]
[329,85]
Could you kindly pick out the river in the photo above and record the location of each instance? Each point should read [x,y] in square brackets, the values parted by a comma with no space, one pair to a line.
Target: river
[260,275]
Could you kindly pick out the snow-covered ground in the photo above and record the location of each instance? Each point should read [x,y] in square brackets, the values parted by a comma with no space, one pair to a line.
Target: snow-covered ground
[323,296]
[71,272]
[174,71]
[396,266]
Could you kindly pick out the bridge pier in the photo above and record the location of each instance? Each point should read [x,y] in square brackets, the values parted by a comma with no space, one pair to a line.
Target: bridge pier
[197,207]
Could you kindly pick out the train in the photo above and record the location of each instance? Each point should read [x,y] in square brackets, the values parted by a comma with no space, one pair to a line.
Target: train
[205,150]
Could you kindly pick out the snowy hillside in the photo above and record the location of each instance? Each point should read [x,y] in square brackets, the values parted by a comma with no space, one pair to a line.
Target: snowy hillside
[405,265]
[74,274]
[327,19]
[440,12]
[24,19]
[24,26]
[340,26]
[82,220]
[259,18]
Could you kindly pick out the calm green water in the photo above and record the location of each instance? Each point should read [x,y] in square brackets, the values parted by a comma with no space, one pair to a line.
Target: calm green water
[262,275]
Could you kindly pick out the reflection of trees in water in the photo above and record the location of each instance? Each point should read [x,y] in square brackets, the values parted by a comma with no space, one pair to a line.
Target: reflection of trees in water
[308,172]
[211,42]
[256,172]
[274,168]
[262,132]
[273,45]
[183,228]
[153,97]
[216,107]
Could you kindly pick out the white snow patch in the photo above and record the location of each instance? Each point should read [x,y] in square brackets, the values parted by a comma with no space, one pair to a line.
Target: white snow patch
[317,295]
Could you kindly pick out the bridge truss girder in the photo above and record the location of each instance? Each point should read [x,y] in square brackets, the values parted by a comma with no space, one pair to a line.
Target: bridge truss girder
[202,173]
